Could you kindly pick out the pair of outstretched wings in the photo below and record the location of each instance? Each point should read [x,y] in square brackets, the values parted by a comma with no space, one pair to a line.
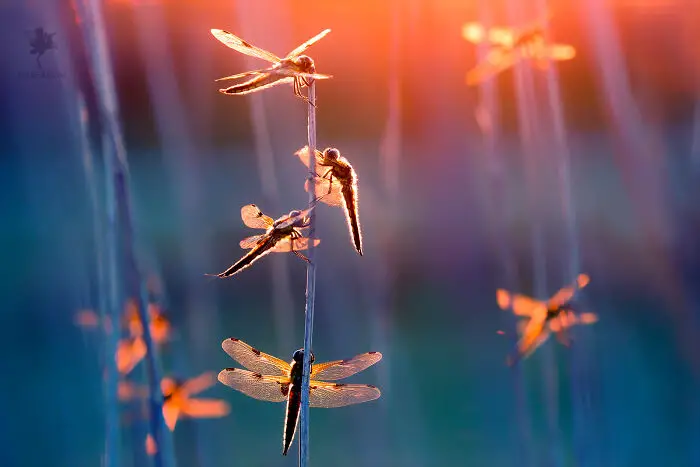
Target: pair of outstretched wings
[254,218]
[269,378]
[507,51]
[239,45]
[179,402]
[536,330]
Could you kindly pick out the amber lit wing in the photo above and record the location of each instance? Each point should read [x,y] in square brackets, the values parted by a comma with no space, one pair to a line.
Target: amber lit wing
[340,369]
[253,359]
[534,334]
[198,384]
[255,385]
[293,244]
[299,50]
[254,218]
[496,61]
[239,45]
[171,412]
[250,242]
[247,73]
[521,305]
[303,155]
[557,52]
[330,395]
[567,293]
[205,408]
[129,353]
[476,34]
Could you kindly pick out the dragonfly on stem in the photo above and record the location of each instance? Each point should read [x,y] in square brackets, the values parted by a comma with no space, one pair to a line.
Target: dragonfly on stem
[337,186]
[555,315]
[281,235]
[272,379]
[295,68]
[511,45]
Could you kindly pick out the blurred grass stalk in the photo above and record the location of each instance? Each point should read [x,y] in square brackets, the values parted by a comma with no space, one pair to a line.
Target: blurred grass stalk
[107,288]
[488,119]
[310,285]
[119,229]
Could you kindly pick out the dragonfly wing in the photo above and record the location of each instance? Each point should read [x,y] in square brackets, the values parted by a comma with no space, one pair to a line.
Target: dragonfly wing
[495,62]
[246,73]
[239,45]
[567,293]
[521,305]
[205,408]
[171,412]
[293,244]
[327,191]
[253,359]
[250,242]
[129,353]
[299,50]
[303,155]
[340,369]
[254,218]
[330,395]
[255,385]
[198,383]
[559,52]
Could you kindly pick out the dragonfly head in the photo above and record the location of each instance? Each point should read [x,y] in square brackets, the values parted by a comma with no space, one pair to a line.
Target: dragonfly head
[331,153]
[299,356]
[305,64]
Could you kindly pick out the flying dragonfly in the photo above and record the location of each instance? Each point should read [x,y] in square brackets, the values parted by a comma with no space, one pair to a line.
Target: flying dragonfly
[177,401]
[281,235]
[275,380]
[555,315]
[295,68]
[510,46]
[337,186]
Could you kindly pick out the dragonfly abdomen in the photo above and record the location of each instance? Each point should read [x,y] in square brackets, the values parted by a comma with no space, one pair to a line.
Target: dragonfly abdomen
[291,417]
[253,255]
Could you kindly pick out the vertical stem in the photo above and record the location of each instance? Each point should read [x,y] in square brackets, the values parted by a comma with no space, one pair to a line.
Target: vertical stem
[112,432]
[119,205]
[310,287]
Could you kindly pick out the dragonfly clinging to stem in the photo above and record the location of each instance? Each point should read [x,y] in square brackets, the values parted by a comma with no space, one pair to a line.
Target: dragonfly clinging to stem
[295,68]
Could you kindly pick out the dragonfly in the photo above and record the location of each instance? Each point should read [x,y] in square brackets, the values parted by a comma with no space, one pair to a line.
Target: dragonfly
[555,315]
[337,186]
[295,68]
[281,235]
[272,379]
[510,46]
[177,401]
[131,349]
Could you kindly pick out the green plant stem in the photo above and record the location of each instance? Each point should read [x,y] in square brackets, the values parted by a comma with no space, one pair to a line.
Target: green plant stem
[310,288]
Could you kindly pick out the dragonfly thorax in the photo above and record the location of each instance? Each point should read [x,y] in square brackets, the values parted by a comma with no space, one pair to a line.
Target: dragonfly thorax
[304,63]
[299,356]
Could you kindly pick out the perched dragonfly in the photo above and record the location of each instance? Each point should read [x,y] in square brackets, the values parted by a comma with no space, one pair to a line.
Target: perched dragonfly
[281,235]
[295,68]
[177,401]
[337,186]
[555,315]
[275,380]
[511,45]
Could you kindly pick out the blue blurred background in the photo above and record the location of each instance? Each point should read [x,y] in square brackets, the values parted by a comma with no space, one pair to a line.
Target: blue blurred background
[592,166]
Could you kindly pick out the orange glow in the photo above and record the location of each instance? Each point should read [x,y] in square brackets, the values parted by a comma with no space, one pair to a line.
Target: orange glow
[178,402]
[129,353]
[151,447]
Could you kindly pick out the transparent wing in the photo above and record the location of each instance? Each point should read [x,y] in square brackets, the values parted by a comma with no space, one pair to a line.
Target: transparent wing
[299,50]
[328,192]
[531,334]
[340,369]
[250,242]
[205,408]
[239,45]
[303,155]
[246,73]
[329,395]
[198,384]
[297,221]
[255,385]
[495,62]
[254,218]
[293,244]
[260,82]
[253,359]
[567,293]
